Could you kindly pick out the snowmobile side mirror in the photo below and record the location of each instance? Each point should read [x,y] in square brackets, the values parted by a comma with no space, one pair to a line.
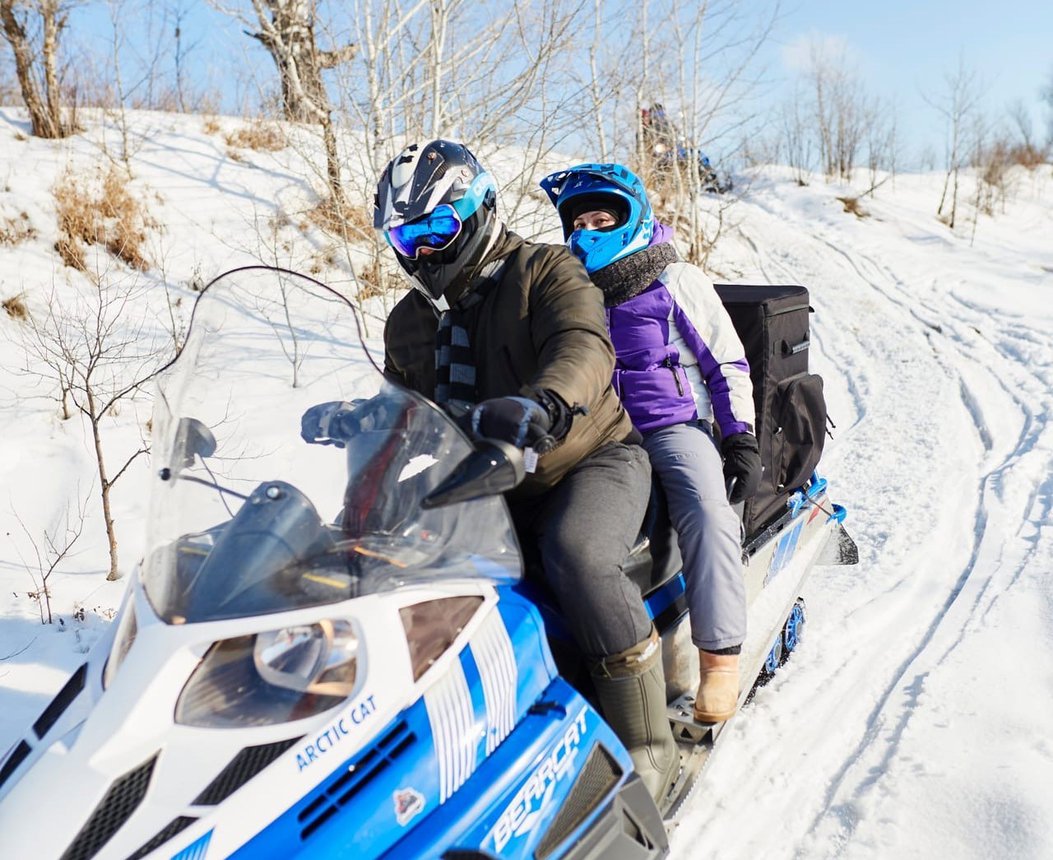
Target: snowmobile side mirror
[193,438]
[493,467]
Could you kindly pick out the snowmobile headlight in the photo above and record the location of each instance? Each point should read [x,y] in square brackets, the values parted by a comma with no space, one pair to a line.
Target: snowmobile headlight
[432,626]
[122,642]
[310,658]
[273,677]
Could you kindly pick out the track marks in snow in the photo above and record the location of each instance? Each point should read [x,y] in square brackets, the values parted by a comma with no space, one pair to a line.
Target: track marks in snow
[933,555]
[976,411]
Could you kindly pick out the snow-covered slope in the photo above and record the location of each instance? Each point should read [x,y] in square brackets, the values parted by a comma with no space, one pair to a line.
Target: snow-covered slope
[914,719]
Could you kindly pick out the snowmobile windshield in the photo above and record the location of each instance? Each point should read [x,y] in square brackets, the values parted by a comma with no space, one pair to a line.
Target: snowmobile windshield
[288,472]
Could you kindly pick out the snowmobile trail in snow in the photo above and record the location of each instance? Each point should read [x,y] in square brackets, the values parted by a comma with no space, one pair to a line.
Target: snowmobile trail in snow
[935,558]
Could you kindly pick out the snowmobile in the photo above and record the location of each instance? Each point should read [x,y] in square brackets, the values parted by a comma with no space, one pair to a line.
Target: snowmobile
[668,159]
[331,650]
[670,152]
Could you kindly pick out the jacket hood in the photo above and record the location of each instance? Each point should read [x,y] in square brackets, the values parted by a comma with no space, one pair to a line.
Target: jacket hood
[662,233]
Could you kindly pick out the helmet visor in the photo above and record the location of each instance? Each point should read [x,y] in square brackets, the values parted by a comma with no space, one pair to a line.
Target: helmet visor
[436,231]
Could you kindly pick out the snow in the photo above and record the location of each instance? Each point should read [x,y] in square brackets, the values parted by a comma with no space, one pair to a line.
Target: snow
[913,721]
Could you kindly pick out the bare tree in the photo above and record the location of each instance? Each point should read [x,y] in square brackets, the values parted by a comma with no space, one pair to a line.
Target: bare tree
[1026,149]
[880,133]
[490,76]
[841,112]
[286,28]
[796,138]
[58,542]
[102,352]
[36,59]
[510,79]
[596,91]
[832,115]
[956,104]
[118,14]
[181,50]
[698,61]
[1047,97]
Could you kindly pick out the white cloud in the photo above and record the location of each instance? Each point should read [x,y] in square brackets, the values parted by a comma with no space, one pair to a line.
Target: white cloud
[797,54]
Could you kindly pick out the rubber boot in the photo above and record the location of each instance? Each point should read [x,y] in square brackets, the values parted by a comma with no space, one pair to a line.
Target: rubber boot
[631,690]
[718,693]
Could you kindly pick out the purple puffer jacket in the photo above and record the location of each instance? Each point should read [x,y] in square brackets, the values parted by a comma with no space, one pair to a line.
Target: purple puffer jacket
[678,355]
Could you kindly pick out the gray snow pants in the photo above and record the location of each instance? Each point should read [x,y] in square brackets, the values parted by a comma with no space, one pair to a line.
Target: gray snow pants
[583,529]
[686,460]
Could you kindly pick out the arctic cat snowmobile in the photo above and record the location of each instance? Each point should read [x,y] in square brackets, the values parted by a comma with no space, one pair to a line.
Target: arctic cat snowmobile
[331,650]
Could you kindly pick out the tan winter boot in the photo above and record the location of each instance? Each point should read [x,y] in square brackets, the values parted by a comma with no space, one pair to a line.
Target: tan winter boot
[718,693]
[631,690]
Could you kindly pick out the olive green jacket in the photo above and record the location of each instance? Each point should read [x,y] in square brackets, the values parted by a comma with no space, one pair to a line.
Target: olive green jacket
[541,326]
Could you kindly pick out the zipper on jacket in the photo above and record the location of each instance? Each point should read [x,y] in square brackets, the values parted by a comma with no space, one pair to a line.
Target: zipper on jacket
[676,376]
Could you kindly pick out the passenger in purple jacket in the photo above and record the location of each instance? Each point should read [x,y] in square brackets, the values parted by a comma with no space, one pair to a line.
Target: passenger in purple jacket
[682,375]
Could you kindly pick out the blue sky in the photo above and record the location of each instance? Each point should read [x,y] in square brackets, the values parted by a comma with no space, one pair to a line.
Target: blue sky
[902,49]
[899,49]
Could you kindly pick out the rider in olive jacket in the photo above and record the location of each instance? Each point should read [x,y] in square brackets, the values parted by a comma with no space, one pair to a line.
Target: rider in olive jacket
[511,336]
[540,328]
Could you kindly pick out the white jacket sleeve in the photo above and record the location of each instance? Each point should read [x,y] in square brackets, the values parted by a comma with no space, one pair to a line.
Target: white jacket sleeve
[710,350]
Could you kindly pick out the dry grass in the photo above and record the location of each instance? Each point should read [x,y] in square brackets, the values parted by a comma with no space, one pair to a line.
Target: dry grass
[1030,156]
[259,136]
[348,222]
[375,281]
[71,252]
[853,207]
[210,125]
[16,229]
[323,260]
[107,215]
[16,308]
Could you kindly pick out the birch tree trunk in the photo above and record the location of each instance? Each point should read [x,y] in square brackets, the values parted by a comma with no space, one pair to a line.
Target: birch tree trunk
[36,69]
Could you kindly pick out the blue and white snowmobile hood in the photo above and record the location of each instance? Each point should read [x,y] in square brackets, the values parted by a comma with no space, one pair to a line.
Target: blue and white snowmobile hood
[308,661]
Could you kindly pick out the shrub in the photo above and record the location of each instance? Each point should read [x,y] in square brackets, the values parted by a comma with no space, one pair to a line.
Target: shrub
[17,229]
[16,308]
[342,219]
[108,216]
[260,136]
[853,206]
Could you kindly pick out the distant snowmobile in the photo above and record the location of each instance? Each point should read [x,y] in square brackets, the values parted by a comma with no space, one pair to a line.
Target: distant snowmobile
[667,159]
[332,651]
[669,152]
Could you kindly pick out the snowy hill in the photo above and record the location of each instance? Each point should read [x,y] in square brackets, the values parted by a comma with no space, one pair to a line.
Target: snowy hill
[912,721]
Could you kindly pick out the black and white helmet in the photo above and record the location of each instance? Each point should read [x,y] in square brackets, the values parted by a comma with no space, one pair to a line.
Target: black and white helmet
[437,208]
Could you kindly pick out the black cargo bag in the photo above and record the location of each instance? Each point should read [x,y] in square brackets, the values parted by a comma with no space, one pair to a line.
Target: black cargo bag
[772,322]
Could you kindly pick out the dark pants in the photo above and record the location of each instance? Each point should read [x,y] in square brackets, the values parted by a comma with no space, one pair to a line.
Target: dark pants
[583,529]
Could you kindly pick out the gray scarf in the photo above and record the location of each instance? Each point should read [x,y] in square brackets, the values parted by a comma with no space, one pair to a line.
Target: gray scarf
[631,275]
[454,360]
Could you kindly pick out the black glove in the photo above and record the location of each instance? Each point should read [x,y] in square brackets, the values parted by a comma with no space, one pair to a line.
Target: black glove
[519,420]
[742,463]
[330,423]
[539,422]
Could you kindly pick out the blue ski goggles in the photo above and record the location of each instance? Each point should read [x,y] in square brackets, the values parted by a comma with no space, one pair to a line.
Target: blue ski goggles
[436,230]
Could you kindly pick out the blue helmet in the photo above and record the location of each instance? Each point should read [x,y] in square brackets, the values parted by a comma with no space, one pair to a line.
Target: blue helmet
[601,186]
